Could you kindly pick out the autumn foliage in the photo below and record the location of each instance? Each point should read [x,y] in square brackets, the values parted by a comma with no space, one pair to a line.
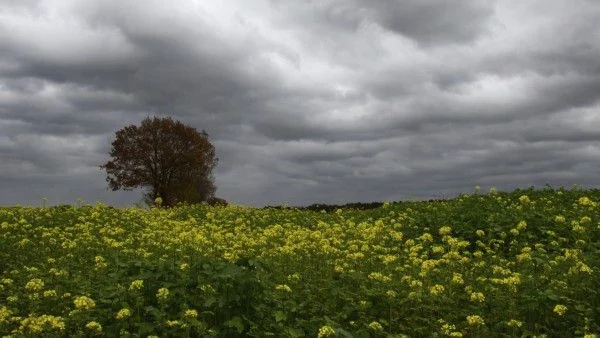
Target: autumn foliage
[173,161]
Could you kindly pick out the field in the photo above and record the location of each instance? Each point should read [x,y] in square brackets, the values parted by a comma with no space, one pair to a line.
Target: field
[519,264]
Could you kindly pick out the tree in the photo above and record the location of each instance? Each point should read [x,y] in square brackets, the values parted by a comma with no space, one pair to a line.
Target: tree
[172,160]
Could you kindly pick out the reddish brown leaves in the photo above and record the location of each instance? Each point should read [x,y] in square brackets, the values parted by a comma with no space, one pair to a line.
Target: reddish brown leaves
[171,159]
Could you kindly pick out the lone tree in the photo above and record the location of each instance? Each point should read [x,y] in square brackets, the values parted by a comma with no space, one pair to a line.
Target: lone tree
[172,160]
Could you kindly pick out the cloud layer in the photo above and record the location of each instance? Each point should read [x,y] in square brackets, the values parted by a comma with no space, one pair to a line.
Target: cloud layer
[306,102]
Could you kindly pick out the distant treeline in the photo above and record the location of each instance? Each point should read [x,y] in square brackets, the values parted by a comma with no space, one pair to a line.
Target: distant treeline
[333,207]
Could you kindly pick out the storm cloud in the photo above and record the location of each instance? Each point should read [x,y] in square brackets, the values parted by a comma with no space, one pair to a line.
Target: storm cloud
[305,102]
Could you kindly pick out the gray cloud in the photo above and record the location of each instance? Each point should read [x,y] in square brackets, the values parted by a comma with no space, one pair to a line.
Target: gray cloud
[305,102]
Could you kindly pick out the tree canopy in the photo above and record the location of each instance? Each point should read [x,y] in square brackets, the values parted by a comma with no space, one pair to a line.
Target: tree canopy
[172,160]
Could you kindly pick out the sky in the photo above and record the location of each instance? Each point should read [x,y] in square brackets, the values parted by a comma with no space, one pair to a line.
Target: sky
[330,101]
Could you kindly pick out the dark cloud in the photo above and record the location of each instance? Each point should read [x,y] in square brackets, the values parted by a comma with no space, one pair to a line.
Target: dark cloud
[315,101]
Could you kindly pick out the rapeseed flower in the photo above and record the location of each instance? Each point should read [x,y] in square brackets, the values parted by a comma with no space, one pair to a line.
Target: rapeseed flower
[123,314]
[94,326]
[325,332]
[34,285]
[191,313]
[426,237]
[84,303]
[50,293]
[446,328]
[5,313]
[137,284]
[37,325]
[379,277]
[436,289]
[585,201]
[162,294]
[477,297]
[445,230]
[172,323]
[376,326]
[283,287]
[560,309]
[514,323]
[475,320]
[457,278]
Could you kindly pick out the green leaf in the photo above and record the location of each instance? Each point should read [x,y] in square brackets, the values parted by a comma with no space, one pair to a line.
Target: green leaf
[235,322]
[279,316]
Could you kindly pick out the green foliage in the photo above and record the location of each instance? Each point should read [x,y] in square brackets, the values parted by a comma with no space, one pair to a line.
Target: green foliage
[515,264]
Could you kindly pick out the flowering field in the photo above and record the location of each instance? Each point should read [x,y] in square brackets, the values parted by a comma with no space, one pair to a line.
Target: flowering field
[525,263]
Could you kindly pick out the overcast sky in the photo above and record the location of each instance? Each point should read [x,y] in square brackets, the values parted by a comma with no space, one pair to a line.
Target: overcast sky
[329,101]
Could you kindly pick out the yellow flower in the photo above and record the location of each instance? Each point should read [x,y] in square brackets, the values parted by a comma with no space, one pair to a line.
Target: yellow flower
[376,326]
[162,294]
[172,323]
[283,287]
[436,289]
[585,201]
[190,314]
[50,293]
[524,199]
[34,285]
[416,284]
[123,313]
[4,314]
[475,320]
[446,328]
[457,278]
[40,324]
[84,303]
[137,284]
[437,249]
[514,323]
[326,331]
[379,277]
[477,297]
[94,326]
[445,230]
[426,237]
[100,262]
[585,219]
[480,233]
[522,225]
[560,309]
